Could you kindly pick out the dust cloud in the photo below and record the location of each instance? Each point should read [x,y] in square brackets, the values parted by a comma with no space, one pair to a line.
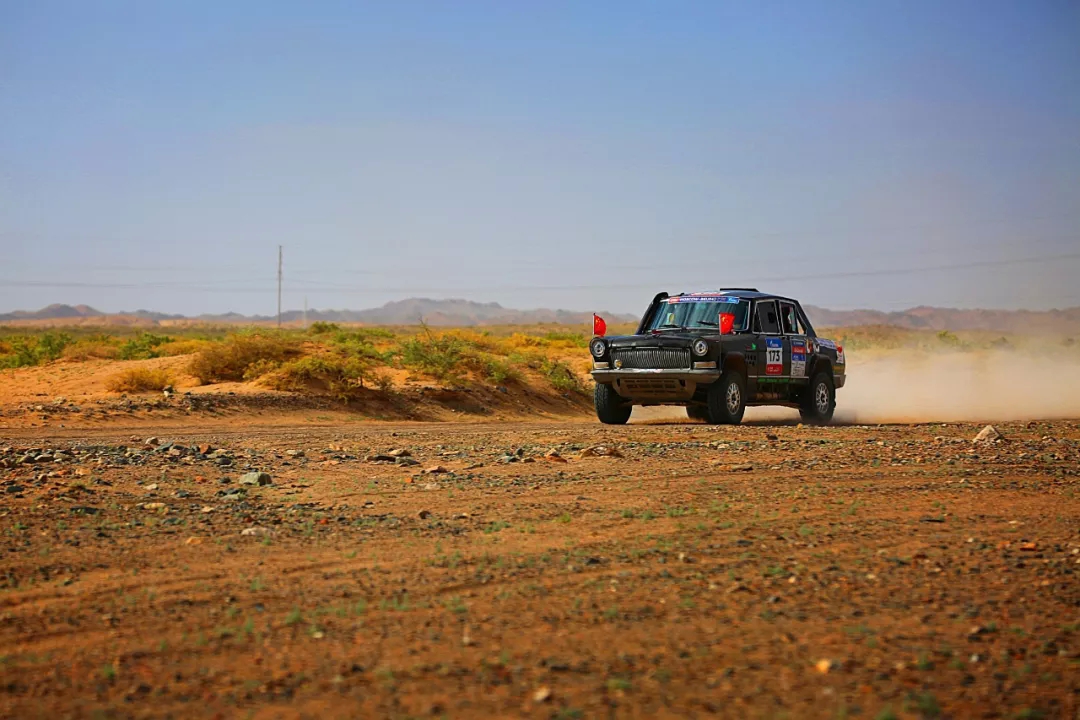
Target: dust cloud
[961,386]
[909,387]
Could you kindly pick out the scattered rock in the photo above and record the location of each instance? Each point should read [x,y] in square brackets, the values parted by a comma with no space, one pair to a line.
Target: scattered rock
[744,467]
[256,532]
[405,461]
[256,478]
[554,456]
[424,514]
[542,694]
[154,506]
[153,441]
[600,451]
[988,435]
[400,453]
[435,470]
[823,666]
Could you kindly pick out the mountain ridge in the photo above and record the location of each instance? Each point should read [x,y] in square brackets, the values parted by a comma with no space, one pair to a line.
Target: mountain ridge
[465,313]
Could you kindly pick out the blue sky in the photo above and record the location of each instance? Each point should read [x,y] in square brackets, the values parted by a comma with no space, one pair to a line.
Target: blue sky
[578,155]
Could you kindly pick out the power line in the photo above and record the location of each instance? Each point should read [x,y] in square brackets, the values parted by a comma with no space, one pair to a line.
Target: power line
[311,285]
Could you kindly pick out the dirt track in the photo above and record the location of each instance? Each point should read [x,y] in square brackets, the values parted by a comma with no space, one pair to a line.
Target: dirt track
[819,572]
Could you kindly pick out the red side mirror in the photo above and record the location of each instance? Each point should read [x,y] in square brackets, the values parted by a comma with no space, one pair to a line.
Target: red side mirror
[727,323]
[599,327]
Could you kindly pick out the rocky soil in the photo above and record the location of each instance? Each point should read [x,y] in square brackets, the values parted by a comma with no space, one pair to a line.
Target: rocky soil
[548,570]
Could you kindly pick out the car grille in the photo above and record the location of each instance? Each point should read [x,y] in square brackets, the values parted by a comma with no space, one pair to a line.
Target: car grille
[651,358]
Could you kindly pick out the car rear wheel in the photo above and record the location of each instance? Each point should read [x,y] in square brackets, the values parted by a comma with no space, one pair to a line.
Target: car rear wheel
[727,399]
[611,408]
[697,412]
[819,402]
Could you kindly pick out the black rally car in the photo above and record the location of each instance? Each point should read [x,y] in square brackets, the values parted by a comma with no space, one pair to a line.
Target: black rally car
[715,353]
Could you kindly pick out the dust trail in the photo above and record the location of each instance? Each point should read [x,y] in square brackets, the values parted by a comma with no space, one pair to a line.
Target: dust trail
[975,386]
[915,386]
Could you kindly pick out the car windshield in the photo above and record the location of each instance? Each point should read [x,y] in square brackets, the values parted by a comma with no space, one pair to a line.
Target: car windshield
[690,312]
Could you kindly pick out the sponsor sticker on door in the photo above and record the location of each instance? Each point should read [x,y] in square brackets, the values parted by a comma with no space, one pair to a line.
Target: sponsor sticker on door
[774,356]
[798,358]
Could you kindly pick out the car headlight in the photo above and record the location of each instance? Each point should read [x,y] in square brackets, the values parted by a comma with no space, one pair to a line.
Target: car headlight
[700,347]
[597,347]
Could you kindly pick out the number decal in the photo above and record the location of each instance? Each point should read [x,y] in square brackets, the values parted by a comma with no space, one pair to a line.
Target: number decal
[774,356]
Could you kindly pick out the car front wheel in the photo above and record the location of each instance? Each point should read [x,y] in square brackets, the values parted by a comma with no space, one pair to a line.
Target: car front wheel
[727,399]
[611,408]
[819,402]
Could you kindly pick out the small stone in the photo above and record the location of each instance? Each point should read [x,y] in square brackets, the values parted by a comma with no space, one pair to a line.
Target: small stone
[193,541]
[405,462]
[424,514]
[256,478]
[745,467]
[600,451]
[542,694]
[295,453]
[154,506]
[771,436]
[153,441]
[988,435]
[256,532]
[823,666]
[152,486]
[435,470]
[554,456]
[400,453]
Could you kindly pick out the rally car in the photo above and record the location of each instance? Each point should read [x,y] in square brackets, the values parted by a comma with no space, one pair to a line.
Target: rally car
[716,353]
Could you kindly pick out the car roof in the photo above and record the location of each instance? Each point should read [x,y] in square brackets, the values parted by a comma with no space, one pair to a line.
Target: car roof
[741,293]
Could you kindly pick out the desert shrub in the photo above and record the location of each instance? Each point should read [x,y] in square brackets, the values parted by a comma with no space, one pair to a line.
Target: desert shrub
[231,359]
[500,372]
[182,347]
[359,343]
[320,327]
[439,356]
[557,372]
[560,375]
[143,346]
[101,347]
[342,377]
[135,380]
[27,350]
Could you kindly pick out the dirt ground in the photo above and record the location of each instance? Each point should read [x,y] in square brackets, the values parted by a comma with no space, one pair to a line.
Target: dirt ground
[552,569]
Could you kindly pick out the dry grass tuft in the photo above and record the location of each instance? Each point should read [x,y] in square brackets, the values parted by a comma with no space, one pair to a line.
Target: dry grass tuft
[136,380]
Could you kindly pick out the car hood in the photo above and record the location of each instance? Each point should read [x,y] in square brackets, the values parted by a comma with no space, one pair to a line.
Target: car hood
[672,339]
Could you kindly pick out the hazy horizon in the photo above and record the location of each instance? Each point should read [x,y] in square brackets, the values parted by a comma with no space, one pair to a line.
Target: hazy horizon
[578,156]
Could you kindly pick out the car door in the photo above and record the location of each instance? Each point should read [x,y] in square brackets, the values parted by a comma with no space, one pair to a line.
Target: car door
[769,340]
[797,344]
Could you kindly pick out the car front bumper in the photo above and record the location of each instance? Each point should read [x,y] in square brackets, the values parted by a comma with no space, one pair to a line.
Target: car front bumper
[697,376]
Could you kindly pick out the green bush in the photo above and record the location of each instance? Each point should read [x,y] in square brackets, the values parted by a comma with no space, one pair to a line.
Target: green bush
[238,355]
[28,350]
[341,377]
[143,346]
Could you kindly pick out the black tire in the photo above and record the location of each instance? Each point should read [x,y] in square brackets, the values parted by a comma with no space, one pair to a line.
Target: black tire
[697,412]
[611,408]
[819,400]
[727,399]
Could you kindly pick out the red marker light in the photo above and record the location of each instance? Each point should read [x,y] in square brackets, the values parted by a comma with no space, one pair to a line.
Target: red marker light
[599,327]
[727,323]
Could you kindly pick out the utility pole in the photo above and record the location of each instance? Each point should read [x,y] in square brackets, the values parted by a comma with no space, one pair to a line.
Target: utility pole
[279,286]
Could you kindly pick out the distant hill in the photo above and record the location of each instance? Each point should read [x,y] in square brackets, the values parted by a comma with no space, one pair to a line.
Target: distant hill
[444,313]
[929,318]
[463,313]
